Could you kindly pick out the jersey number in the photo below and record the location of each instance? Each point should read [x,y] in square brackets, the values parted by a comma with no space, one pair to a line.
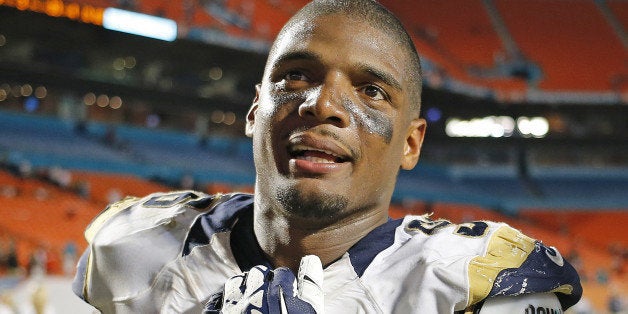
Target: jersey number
[469,229]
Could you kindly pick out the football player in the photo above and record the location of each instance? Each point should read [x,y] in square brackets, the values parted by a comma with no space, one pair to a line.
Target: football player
[335,117]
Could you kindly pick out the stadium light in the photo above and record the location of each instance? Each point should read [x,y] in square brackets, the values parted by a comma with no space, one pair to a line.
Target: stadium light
[536,126]
[491,126]
[497,126]
[139,24]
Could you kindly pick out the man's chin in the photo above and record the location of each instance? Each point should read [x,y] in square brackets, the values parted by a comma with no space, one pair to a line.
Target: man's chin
[316,205]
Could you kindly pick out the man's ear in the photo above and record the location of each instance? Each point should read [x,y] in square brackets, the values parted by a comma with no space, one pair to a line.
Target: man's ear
[250,116]
[414,141]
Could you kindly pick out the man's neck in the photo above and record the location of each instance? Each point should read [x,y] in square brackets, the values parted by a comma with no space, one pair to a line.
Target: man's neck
[286,240]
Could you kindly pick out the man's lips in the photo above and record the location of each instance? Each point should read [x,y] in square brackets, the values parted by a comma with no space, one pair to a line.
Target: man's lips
[323,150]
[317,155]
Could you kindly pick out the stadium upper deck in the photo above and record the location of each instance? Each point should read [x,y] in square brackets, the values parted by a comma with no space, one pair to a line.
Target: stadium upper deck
[539,50]
[503,45]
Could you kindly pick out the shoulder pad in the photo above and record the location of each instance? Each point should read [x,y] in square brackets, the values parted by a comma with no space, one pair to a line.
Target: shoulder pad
[151,205]
[122,260]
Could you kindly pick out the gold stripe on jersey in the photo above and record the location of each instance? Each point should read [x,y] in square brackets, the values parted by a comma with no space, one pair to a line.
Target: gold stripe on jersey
[110,211]
[507,248]
[564,289]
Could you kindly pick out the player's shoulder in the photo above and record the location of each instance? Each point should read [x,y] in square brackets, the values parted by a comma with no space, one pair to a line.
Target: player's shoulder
[170,208]
[132,241]
[421,238]
[501,260]
[474,241]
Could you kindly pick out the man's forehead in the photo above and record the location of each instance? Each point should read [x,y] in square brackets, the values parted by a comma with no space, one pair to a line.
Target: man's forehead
[337,30]
[299,32]
[356,42]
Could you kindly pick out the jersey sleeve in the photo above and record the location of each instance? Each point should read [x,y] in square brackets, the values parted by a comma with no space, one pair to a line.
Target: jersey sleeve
[131,241]
[516,265]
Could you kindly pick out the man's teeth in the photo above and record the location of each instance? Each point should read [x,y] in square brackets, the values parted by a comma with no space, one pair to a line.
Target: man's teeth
[329,153]
[316,159]
[305,148]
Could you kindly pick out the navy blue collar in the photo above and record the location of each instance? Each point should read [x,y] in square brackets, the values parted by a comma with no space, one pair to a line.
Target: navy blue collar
[364,251]
[236,214]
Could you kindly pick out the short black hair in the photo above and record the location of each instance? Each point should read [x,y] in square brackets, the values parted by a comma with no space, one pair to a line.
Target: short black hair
[377,15]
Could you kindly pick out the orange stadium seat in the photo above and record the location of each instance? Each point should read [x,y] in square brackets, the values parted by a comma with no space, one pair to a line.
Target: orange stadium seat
[598,227]
[43,215]
[102,184]
[164,8]
[571,41]
[266,17]
[61,216]
[620,10]
[8,179]
[461,29]
[458,36]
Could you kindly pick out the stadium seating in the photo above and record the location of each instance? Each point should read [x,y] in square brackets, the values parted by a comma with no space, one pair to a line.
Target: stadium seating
[571,41]
[461,29]
[50,136]
[620,10]
[105,186]
[168,9]
[41,214]
[167,156]
[599,228]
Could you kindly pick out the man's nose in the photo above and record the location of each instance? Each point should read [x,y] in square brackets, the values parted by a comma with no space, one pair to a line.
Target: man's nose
[327,104]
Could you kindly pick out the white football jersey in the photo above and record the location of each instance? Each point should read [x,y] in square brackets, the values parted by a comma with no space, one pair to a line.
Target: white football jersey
[169,252]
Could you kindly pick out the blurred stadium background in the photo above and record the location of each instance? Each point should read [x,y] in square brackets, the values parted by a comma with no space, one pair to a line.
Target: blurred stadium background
[527,103]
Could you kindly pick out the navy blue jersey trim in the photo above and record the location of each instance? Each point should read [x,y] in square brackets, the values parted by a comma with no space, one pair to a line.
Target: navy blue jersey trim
[539,273]
[220,219]
[233,213]
[236,214]
[364,251]
[244,245]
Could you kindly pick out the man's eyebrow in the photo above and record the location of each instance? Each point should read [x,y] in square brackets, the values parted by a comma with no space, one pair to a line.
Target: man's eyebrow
[362,67]
[297,55]
[380,75]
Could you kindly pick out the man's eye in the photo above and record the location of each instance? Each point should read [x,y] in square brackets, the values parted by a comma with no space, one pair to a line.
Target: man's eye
[374,92]
[295,76]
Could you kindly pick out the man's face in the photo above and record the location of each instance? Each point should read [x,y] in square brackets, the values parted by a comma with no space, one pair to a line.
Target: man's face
[331,123]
